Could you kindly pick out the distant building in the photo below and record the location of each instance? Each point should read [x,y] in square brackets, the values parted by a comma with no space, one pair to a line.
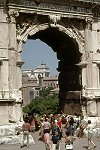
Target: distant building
[34,80]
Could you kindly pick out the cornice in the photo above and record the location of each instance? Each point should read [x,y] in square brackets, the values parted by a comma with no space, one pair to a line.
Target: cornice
[37,2]
[7,100]
[20,63]
[48,12]
[76,8]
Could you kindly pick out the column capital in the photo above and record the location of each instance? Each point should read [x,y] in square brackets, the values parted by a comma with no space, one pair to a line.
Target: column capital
[12,15]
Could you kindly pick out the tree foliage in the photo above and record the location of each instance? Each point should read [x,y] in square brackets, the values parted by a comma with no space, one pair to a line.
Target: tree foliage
[44,104]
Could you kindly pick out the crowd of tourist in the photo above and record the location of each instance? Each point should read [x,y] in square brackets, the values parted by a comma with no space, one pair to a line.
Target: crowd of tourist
[53,128]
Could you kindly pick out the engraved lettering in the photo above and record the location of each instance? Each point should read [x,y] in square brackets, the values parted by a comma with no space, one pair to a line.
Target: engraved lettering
[57,7]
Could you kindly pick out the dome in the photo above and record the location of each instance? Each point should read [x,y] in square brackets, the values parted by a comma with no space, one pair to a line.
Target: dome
[43,66]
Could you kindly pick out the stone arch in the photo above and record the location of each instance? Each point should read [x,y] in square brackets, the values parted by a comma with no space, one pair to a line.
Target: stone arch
[71,32]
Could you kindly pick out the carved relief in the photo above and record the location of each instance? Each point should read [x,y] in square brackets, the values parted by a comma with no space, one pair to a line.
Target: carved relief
[89,22]
[24,23]
[29,24]
[21,29]
[76,28]
[12,16]
[54,19]
[72,32]
[86,55]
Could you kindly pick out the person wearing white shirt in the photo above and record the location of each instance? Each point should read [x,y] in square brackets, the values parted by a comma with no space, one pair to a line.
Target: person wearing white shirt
[90,133]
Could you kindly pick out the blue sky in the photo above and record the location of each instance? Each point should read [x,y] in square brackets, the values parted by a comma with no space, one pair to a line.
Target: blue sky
[36,51]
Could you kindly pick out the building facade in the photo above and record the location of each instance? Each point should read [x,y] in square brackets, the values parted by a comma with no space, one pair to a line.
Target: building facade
[35,80]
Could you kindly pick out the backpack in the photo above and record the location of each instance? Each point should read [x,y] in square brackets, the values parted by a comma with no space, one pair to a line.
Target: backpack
[55,128]
[69,146]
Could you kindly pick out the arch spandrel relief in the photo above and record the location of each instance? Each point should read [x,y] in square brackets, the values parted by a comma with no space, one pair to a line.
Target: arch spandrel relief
[31,27]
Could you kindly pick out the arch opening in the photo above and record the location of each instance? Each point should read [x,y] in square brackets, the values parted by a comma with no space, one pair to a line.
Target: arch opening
[36,52]
[66,47]
[68,55]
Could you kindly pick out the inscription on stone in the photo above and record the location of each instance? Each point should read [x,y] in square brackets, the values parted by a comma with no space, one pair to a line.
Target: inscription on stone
[58,7]
[66,8]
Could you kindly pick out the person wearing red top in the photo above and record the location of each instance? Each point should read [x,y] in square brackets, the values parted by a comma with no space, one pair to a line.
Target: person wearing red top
[59,123]
[32,125]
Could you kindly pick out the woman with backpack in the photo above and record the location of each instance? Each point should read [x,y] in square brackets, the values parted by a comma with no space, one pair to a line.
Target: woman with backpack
[69,141]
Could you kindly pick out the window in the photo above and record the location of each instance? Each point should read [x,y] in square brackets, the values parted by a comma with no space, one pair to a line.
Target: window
[31,95]
[51,84]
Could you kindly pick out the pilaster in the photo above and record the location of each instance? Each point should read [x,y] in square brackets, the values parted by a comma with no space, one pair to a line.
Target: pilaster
[4,88]
[14,58]
[88,52]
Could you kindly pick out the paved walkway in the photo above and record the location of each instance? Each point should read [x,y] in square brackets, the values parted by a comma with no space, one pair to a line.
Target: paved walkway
[78,144]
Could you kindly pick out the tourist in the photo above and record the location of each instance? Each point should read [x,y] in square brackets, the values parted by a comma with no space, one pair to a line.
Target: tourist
[69,141]
[80,131]
[41,131]
[70,126]
[51,118]
[46,126]
[37,127]
[25,129]
[32,128]
[90,133]
[30,116]
[55,127]
[59,123]
[26,117]
[47,141]
[56,141]
[32,124]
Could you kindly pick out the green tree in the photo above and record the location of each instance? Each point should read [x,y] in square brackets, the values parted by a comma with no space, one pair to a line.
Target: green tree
[44,104]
